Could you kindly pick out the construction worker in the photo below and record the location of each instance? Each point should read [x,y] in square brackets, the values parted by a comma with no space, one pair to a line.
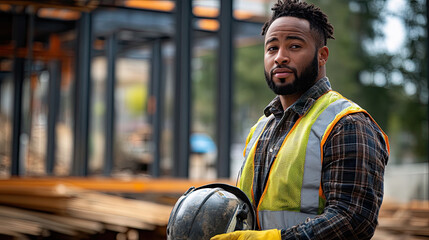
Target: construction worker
[314,162]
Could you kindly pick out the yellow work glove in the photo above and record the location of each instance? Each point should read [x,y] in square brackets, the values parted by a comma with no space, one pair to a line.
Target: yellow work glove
[249,235]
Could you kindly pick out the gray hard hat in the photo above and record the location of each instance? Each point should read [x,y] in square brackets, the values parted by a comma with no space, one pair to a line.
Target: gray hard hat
[209,210]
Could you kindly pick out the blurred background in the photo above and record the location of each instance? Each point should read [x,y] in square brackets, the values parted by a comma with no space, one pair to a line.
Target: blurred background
[155,90]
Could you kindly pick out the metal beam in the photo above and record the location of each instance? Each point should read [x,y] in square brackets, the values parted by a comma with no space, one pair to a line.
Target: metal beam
[53,105]
[182,106]
[427,63]
[109,150]
[82,96]
[225,85]
[18,35]
[157,105]
[153,24]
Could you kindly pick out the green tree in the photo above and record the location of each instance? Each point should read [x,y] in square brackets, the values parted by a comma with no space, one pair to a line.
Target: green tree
[396,84]
[409,65]
[391,86]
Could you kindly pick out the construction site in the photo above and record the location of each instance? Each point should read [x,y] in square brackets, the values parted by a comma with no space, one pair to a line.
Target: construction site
[110,110]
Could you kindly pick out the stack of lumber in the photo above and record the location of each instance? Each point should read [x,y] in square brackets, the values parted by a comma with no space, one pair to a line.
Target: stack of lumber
[88,208]
[403,221]
[75,213]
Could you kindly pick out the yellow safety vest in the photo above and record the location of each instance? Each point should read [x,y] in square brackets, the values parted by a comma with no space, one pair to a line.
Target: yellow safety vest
[293,190]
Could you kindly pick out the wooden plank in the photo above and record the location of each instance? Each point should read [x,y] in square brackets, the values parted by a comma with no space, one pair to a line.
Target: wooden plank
[45,223]
[20,226]
[145,214]
[116,228]
[132,185]
[5,231]
[51,190]
[57,205]
[89,227]
[154,213]
[109,219]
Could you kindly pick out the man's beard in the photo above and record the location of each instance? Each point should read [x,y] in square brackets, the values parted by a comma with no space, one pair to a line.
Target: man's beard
[301,83]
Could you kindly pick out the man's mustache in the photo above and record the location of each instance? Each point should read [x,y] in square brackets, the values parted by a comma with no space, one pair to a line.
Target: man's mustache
[283,66]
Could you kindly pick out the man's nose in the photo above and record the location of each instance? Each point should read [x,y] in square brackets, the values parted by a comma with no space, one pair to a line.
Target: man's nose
[282,57]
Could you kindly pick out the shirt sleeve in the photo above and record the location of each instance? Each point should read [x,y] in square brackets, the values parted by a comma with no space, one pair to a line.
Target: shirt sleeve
[354,158]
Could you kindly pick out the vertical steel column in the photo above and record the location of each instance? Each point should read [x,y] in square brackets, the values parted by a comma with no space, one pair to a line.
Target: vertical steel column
[109,150]
[82,96]
[225,85]
[18,35]
[53,105]
[182,106]
[157,81]
[427,59]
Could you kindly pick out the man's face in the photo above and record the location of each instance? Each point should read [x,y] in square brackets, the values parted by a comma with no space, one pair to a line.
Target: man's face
[291,57]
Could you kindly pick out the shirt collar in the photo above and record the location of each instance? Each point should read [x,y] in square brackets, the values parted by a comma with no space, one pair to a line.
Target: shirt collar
[303,104]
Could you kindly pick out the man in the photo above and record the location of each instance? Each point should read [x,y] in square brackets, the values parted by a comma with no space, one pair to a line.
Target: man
[315,161]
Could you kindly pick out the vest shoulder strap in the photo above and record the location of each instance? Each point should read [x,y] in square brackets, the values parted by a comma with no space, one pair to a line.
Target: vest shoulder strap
[255,135]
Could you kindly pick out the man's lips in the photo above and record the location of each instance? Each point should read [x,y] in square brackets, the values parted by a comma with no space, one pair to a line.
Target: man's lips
[281,72]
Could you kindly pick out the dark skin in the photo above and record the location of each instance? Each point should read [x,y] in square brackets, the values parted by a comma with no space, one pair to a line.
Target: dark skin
[290,42]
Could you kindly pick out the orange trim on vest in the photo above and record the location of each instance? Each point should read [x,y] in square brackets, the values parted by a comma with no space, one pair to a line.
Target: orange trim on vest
[253,177]
[386,138]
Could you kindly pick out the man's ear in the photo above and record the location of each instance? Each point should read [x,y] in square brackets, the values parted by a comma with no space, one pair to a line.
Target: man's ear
[323,53]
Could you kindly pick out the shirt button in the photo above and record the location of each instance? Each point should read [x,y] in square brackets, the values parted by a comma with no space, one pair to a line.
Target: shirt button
[271,150]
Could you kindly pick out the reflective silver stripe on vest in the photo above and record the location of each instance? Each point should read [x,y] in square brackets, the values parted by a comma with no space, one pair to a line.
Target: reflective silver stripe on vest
[255,136]
[281,219]
[313,158]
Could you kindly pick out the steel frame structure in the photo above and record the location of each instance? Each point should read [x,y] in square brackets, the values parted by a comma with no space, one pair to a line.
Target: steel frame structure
[157,27]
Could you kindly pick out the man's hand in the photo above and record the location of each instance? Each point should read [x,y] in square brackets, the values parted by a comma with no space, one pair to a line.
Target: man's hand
[249,235]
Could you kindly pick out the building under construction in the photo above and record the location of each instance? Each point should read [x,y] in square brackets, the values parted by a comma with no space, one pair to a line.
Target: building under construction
[97,105]
[111,109]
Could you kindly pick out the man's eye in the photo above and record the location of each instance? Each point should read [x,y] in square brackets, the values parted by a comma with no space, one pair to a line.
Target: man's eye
[271,49]
[295,46]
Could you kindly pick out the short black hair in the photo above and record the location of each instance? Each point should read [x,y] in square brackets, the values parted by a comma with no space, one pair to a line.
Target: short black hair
[295,8]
